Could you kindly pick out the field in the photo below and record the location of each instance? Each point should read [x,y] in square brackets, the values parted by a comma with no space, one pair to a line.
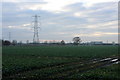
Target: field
[60,62]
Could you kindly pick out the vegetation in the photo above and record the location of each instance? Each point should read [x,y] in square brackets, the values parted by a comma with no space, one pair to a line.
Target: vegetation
[105,73]
[52,61]
[62,51]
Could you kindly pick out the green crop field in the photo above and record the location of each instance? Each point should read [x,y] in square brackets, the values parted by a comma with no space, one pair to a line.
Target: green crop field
[37,62]
[104,73]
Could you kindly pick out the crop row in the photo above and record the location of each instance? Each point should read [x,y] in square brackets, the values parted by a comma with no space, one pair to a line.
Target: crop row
[61,71]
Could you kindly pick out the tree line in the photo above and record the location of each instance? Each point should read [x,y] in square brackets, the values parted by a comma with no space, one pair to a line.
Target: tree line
[76,41]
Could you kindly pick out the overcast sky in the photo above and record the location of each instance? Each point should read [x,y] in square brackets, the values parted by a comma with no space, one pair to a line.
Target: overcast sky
[91,20]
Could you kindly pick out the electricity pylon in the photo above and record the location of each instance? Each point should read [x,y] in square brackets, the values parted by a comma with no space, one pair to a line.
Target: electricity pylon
[36,26]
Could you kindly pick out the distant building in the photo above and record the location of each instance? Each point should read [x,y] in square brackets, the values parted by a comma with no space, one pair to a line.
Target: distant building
[96,42]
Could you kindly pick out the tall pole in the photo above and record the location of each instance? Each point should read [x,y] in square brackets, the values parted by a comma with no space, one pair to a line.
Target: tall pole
[36,26]
[10,36]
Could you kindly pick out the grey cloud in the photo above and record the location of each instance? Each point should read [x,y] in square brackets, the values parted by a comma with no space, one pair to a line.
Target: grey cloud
[65,25]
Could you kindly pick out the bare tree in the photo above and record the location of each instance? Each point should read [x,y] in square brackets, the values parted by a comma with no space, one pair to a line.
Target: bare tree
[76,40]
[14,42]
[62,42]
[27,41]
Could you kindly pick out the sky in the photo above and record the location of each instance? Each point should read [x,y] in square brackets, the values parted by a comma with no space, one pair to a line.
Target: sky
[91,20]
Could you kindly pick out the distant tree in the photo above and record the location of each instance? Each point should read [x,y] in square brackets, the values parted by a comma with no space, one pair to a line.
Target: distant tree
[6,42]
[0,42]
[113,43]
[45,42]
[62,42]
[76,40]
[27,41]
[14,42]
[20,43]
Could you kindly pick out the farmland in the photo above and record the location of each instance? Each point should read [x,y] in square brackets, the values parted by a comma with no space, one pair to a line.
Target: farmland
[80,62]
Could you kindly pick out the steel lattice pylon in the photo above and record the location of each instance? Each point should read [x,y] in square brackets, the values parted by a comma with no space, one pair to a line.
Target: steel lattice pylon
[36,26]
